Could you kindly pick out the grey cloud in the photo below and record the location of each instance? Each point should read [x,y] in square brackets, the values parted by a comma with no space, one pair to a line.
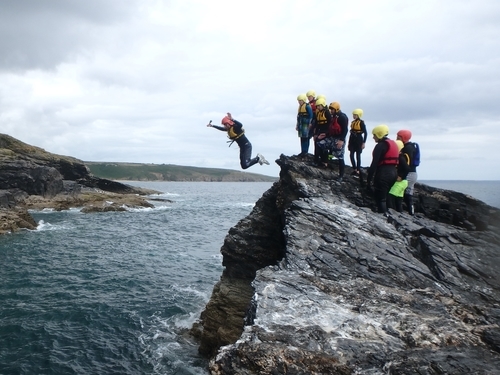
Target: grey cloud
[42,34]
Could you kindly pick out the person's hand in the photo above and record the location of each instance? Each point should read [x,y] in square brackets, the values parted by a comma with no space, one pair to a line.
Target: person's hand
[229,115]
[339,144]
[369,188]
[363,146]
[210,124]
[321,136]
[399,179]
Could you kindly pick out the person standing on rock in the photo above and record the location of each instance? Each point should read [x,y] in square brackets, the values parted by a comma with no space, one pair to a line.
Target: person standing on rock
[311,96]
[357,140]
[323,117]
[304,125]
[236,133]
[412,150]
[395,198]
[337,133]
[382,170]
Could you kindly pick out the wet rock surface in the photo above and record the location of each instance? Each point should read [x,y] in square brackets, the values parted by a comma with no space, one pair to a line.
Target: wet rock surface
[328,286]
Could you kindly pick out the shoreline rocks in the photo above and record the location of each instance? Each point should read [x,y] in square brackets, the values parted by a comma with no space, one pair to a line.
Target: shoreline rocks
[34,179]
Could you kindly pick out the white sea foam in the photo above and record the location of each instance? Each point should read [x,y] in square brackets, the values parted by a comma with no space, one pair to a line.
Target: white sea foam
[147,209]
[43,226]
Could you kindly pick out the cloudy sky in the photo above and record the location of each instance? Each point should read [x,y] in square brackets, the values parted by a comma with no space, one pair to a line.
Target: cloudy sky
[138,80]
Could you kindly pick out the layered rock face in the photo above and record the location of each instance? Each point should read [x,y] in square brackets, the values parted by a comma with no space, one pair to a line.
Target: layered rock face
[316,282]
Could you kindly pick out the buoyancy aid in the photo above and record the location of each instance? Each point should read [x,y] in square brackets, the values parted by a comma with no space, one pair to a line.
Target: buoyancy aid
[356,126]
[233,135]
[321,119]
[303,110]
[391,157]
[334,128]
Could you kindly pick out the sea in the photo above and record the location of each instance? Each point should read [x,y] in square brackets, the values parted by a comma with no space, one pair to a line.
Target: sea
[117,292]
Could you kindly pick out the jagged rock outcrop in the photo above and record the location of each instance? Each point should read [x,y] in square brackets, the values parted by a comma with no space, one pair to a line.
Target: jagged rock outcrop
[316,282]
[31,177]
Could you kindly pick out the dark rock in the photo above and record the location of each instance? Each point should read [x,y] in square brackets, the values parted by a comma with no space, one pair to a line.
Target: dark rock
[316,282]
[31,177]
[38,172]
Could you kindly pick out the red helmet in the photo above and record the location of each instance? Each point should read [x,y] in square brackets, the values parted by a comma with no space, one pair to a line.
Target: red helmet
[405,135]
[227,121]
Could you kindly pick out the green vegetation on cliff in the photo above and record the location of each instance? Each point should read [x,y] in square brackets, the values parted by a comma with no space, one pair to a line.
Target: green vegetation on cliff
[169,172]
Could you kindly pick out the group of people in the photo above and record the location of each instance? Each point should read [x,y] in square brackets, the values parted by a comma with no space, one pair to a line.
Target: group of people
[328,126]
[392,173]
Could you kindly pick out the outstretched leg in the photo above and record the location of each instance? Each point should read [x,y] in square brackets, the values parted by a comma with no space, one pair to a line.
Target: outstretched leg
[246,160]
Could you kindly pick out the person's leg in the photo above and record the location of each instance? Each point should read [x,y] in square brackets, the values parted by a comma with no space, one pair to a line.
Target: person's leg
[391,201]
[412,179]
[399,203]
[358,159]
[246,160]
[341,168]
[304,145]
[384,180]
[353,160]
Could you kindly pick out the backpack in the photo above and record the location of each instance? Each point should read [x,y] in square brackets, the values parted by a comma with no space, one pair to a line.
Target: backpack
[334,128]
[415,161]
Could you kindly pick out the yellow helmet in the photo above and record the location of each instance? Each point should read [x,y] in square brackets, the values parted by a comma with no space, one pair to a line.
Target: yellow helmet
[335,106]
[321,96]
[321,101]
[380,131]
[302,97]
[400,144]
[358,112]
[311,93]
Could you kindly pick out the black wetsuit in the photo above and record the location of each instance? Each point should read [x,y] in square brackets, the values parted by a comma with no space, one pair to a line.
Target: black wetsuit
[321,126]
[246,160]
[384,176]
[356,139]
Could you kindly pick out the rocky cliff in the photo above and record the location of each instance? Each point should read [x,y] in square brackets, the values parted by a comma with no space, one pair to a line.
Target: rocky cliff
[316,282]
[31,177]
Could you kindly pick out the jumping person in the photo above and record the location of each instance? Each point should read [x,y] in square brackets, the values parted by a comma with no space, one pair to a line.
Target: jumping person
[236,133]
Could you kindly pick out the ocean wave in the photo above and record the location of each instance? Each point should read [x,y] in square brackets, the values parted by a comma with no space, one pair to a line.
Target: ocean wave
[43,226]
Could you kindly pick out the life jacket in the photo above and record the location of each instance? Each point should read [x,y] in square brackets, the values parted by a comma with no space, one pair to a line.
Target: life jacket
[303,110]
[321,118]
[356,126]
[391,157]
[233,135]
[334,128]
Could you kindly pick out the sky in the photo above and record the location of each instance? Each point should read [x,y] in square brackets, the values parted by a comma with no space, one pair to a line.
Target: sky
[138,80]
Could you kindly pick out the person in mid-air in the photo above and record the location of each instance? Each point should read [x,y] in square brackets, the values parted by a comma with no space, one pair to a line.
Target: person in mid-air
[236,133]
